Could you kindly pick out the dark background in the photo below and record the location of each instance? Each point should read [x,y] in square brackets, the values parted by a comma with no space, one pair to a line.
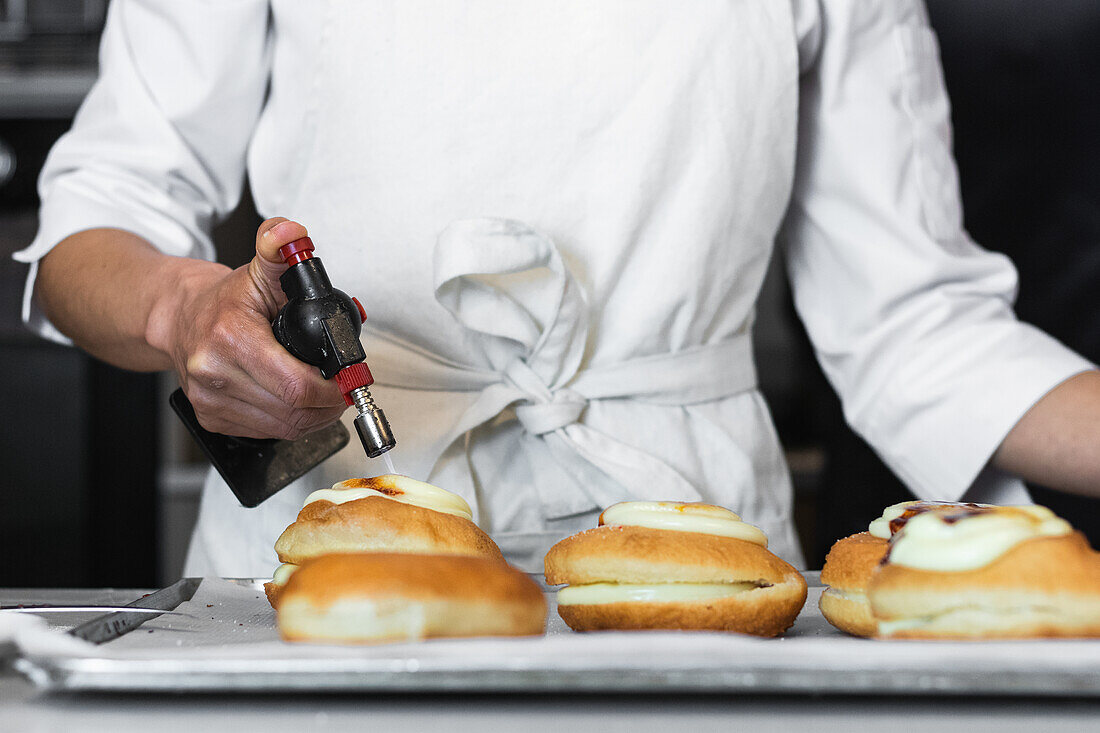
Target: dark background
[89,456]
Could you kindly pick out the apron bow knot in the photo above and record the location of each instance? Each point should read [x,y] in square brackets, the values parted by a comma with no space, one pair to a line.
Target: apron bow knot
[544,410]
[526,322]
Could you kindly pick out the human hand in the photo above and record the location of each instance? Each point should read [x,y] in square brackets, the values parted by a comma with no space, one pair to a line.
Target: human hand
[216,328]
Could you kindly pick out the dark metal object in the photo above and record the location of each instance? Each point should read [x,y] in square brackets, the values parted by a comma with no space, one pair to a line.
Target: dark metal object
[255,469]
[46,608]
[319,324]
[114,625]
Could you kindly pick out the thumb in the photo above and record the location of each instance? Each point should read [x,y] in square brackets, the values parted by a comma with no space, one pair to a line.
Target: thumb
[266,267]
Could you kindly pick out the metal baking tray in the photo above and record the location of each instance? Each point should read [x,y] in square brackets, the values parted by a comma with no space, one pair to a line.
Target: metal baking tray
[811,658]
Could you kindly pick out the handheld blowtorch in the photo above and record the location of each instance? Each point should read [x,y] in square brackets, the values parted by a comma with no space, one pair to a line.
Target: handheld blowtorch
[319,325]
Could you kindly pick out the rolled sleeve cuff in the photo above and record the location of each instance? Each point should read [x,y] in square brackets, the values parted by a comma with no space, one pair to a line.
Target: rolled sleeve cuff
[67,211]
[942,450]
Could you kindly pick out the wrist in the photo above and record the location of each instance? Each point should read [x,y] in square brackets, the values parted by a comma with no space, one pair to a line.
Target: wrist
[174,287]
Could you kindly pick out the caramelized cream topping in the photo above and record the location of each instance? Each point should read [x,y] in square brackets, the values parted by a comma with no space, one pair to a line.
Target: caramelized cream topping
[682,517]
[944,536]
[398,488]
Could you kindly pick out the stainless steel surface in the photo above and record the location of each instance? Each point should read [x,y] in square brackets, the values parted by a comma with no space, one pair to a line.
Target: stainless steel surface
[86,609]
[72,596]
[111,626]
[402,676]
[25,708]
[958,670]
[371,424]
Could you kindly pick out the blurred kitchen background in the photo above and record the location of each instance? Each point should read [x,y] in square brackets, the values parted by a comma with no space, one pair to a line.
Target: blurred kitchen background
[99,484]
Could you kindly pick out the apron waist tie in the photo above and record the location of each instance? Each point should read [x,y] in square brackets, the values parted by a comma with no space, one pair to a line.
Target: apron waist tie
[693,376]
[529,335]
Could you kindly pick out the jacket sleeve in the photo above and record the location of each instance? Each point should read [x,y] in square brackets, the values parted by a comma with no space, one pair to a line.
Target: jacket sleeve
[158,146]
[911,321]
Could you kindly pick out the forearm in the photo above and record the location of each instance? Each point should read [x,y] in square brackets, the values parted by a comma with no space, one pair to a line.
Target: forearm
[103,288]
[1057,442]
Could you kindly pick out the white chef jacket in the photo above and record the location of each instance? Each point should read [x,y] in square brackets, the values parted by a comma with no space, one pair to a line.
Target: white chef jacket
[558,216]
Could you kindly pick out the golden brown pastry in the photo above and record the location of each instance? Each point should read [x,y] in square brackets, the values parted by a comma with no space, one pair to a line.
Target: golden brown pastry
[968,571]
[387,514]
[378,597]
[666,565]
[847,572]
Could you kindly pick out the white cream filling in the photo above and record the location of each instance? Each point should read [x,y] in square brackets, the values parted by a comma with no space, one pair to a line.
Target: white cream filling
[595,593]
[384,619]
[971,615]
[847,595]
[398,488]
[928,541]
[283,573]
[682,517]
[886,628]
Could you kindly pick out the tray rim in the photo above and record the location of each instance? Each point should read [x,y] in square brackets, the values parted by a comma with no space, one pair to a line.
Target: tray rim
[92,674]
[397,673]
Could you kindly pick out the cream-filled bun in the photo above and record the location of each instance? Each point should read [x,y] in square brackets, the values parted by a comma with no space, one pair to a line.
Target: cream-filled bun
[979,571]
[378,597]
[669,565]
[382,514]
[952,570]
[278,581]
[847,572]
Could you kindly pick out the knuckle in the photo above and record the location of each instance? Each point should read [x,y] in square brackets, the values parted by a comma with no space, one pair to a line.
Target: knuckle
[293,391]
[199,362]
[204,368]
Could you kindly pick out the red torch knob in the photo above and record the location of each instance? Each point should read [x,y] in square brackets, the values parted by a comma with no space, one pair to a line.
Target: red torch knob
[297,251]
[352,378]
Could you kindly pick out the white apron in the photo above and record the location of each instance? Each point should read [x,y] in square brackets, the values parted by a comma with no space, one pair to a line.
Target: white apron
[558,216]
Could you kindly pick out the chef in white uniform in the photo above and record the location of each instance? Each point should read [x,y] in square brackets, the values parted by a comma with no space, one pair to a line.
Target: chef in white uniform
[558,216]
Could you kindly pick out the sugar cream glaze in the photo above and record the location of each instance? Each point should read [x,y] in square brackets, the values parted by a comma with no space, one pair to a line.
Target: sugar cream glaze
[595,593]
[399,488]
[956,537]
[703,518]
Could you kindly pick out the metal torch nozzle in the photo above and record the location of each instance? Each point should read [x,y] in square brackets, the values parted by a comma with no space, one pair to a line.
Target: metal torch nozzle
[371,424]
